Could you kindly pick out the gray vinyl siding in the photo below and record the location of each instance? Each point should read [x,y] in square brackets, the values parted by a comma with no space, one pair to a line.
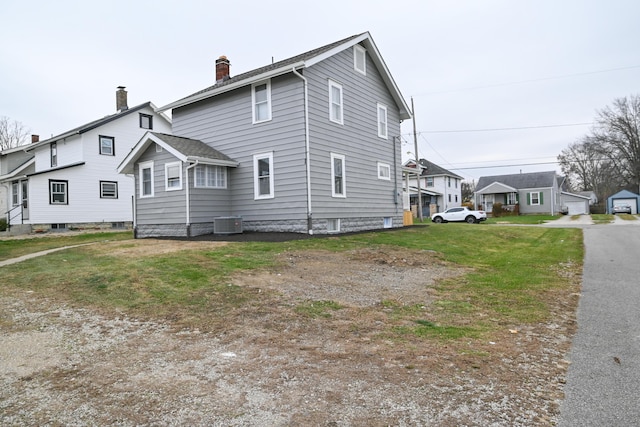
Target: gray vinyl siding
[357,139]
[165,207]
[225,123]
[544,208]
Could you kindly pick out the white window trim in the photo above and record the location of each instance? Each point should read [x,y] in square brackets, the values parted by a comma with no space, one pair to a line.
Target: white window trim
[383,118]
[15,193]
[253,101]
[344,176]
[256,177]
[382,166]
[166,176]
[207,169]
[333,225]
[340,102]
[141,167]
[531,198]
[103,183]
[359,50]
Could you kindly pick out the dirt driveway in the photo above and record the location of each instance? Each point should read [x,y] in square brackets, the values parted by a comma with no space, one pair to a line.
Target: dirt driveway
[61,365]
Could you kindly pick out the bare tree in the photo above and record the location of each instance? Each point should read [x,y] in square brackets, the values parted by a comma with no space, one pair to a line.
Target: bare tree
[617,136]
[588,169]
[467,189]
[12,133]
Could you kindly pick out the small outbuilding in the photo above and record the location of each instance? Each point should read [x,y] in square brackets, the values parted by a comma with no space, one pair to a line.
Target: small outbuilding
[624,197]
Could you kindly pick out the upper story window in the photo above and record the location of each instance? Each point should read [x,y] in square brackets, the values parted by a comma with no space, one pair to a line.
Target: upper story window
[58,192]
[448,181]
[382,121]
[146,179]
[261,99]
[146,121]
[335,102]
[360,59]
[173,176]
[107,145]
[429,181]
[208,176]
[338,176]
[263,176]
[53,154]
[384,171]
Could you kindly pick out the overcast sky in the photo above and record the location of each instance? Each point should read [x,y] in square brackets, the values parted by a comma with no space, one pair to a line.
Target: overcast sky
[542,66]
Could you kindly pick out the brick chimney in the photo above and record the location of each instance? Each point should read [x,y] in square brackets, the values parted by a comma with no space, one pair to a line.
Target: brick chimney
[121,99]
[222,69]
[35,138]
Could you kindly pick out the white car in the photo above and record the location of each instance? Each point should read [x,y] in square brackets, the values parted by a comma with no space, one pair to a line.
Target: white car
[461,214]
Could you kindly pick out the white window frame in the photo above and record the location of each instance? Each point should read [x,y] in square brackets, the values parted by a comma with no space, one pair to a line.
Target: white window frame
[333,225]
[383,124]
[360,53]
[511,198]
[387,222]
[53,154]
[115,189]
[254,101]
[170,179]
[141,167]
[257,177]
[384,171]
[210,176]
[537,194]
[430,181]
[65,192]
[340,157]
[336,106]
[15,193]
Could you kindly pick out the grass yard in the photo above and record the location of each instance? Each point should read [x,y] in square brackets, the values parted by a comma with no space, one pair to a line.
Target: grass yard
[522,219]
[511,272]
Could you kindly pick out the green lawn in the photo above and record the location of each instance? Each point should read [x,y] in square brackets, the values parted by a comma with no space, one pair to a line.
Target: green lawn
[513,274]
[522,219]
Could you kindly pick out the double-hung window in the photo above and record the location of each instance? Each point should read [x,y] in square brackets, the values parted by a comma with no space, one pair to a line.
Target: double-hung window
[58,192]
[335,102]
[15,193]
[382,121]
[208,176]
[108,190]
[146,121]
[384,171]
[107,145]
[261,99]
[337,176]
[53,152]
[430,181]
[360,59]
[173,176]
[146,179]
[535,198]
[263,176]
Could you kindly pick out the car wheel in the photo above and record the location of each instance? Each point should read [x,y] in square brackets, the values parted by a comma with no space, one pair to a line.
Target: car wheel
[470,219]
[437,220]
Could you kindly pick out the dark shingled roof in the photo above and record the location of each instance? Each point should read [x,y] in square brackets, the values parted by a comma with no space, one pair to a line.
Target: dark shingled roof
[191,147]
[520,180]
[431,169]
[275,65]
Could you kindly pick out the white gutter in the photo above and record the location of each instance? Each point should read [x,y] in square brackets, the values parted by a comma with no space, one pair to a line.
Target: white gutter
[191,166]
[307,150]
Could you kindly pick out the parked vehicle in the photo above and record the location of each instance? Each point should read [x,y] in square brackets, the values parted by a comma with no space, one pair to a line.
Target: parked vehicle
[459,214]
[622,209]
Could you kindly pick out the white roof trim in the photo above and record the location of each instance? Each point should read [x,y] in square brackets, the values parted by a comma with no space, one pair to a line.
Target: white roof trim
[213,162]
[15,173]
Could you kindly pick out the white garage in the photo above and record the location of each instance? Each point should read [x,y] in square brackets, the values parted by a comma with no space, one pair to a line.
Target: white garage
[577,208]
[574,204]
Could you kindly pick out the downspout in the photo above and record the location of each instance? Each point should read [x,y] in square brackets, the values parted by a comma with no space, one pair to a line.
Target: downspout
[188,211]
[307,150]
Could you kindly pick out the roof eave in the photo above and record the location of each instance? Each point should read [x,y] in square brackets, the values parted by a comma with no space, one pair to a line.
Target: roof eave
[213,162]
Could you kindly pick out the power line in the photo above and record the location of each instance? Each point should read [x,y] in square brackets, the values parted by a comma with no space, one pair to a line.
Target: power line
[504,129]
[564,76]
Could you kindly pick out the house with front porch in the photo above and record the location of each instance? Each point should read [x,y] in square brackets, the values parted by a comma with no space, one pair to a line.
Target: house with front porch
[533,193]
[440,188]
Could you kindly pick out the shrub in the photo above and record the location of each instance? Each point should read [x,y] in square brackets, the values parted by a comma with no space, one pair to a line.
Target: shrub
[3,224]
[497,210]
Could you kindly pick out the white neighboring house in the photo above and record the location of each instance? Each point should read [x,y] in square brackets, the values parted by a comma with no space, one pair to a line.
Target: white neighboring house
[440,188]
[71,180]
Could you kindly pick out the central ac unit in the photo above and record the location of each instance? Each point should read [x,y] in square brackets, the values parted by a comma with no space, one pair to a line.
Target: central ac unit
[227,225]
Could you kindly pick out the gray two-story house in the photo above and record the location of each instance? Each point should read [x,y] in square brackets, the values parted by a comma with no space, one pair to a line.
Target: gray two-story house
[310,144]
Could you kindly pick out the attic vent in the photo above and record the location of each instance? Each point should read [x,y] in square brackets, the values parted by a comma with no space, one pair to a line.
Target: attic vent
[227,225]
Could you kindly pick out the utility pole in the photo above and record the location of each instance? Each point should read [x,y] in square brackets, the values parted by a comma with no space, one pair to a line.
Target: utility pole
[418,166]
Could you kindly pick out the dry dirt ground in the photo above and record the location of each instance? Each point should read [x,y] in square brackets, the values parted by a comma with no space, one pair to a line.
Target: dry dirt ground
[63,365]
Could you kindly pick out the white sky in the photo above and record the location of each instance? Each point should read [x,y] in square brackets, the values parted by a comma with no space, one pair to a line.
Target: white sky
[468,64]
